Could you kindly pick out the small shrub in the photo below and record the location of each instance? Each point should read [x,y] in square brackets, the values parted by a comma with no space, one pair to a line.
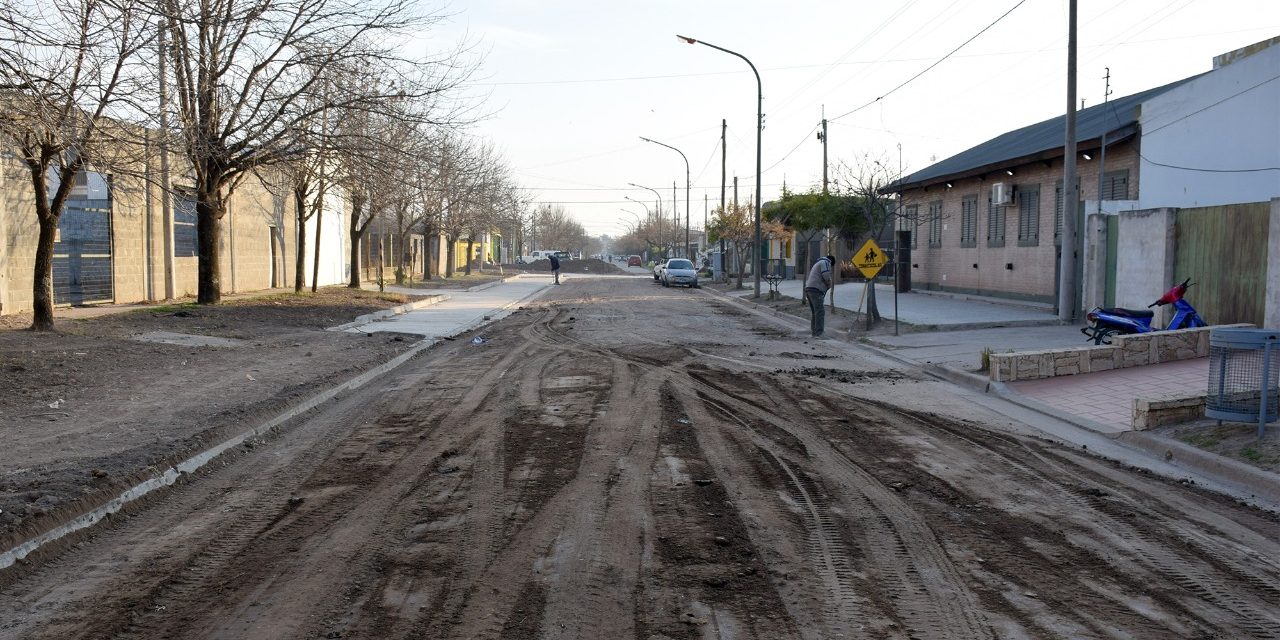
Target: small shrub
[986,359]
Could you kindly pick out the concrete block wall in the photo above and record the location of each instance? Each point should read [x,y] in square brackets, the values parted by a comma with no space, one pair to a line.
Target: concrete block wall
[1032,276]
[1145,252]
[20,231]
[139,244]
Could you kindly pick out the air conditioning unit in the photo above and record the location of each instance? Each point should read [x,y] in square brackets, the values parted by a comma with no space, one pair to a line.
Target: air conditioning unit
[1001,194]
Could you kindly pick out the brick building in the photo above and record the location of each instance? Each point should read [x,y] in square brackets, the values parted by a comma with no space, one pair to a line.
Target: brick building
[987,220]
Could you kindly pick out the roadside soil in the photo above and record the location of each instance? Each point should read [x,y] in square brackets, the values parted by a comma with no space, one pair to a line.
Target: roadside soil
[1234,440]
[623,460]
[92,408]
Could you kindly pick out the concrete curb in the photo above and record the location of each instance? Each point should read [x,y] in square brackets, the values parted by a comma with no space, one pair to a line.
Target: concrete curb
[169,476]
[1261,483]
[1246,479]
[360,321]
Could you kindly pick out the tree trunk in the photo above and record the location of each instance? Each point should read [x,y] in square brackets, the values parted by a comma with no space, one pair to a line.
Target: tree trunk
[471,244]
[873,312]
[737,250]
[42,288]
[401,276]
[318,212]
[209,211]
[451,253]
[356,233]
[300,261]
[426,254]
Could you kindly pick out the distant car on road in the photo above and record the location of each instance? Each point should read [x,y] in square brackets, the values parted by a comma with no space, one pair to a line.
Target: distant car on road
[563,255]
[679,271]
[633,261]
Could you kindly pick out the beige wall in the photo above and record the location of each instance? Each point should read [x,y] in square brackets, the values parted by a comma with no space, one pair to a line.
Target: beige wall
[139,242]
[1032,273]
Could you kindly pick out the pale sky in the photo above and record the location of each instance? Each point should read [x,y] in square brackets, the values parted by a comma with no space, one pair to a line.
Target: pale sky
[573,84]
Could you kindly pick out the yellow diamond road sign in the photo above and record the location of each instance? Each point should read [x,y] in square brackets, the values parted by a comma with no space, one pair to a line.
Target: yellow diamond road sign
[869,259]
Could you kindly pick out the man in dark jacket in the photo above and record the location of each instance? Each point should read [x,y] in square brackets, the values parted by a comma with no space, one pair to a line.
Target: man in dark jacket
[555,267]
[815,289]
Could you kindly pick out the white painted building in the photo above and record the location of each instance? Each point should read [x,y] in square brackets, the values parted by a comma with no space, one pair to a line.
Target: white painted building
[1215,139]
[335,240]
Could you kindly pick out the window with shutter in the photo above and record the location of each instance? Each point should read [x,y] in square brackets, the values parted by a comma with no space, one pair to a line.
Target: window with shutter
[1115,185]
[935,224]
[995,224]
[969,221]
[1028,216]
[913,223]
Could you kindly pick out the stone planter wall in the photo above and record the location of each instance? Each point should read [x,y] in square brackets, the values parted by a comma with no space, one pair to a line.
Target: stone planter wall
[1124,351]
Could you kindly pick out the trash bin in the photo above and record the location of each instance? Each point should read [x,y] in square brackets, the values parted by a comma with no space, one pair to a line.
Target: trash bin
[1244,376]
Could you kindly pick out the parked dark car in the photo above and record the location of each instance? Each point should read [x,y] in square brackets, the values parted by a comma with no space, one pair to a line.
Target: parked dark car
[633,261]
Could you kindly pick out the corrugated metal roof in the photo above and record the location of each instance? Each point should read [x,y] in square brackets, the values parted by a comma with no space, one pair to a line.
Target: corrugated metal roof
[1037,138]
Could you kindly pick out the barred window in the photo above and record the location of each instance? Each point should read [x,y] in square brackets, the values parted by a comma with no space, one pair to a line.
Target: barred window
[969,221]
[935,224]
[1029,216]
[995,224]
[185,238]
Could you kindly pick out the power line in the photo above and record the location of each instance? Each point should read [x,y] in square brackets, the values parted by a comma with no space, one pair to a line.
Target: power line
[928,68]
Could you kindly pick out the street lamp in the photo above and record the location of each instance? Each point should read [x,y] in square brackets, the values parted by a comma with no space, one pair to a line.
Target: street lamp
[755,269]
[687,250]
[647,213]
[659,195]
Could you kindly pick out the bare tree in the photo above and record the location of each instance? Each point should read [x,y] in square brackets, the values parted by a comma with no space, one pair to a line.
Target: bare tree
[66,77]
[864,185]
[251,74]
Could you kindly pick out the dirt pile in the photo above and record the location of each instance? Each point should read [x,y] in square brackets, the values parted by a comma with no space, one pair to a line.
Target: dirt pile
[588,266]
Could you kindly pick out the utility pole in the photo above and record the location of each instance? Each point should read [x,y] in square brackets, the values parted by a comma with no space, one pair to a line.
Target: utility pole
[1102,153]
[1070,204]
[675,217]
[724,126]
[166,195]
[822,136]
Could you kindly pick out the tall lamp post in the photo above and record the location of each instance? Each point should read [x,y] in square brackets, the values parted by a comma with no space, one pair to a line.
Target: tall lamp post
[659,195]
[755,268]
[687,250]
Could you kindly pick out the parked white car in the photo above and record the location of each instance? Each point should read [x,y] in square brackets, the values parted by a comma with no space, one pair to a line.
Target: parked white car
[679,271]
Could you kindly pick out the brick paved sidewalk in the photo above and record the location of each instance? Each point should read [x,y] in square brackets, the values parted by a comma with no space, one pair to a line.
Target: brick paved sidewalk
[1107,397]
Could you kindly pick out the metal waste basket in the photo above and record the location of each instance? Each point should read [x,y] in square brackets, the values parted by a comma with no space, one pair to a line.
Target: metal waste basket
[1244,376]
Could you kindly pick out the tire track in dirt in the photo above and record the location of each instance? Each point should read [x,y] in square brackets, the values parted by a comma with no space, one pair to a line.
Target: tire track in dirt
[1133,530]
[1208,567]
[706,578]
[356,487]
[580,543]
[941,605]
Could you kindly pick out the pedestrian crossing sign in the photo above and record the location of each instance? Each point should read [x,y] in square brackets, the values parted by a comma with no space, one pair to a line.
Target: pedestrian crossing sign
[870,259]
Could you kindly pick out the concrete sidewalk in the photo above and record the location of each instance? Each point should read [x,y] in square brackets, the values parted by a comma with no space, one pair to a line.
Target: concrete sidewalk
[928,308]
[458,311]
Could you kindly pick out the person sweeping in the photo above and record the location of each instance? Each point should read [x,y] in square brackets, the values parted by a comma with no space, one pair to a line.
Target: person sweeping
[815,289]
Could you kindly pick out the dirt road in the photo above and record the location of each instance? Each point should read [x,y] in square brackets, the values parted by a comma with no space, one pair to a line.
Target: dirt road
[625,461]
